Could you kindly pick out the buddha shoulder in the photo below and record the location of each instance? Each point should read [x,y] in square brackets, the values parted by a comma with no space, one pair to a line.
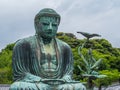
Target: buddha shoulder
[24,41]
[62,43]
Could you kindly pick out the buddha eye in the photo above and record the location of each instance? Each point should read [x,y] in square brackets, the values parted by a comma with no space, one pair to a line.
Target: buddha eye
[44,23]
[54,24]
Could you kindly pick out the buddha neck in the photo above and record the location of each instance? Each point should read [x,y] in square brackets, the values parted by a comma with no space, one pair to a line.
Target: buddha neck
[45,40]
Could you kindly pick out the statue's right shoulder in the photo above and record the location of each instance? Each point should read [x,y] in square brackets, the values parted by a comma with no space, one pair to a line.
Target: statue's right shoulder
[24,41]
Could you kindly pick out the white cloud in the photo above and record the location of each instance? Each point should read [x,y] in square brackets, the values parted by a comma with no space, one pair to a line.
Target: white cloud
[94,16]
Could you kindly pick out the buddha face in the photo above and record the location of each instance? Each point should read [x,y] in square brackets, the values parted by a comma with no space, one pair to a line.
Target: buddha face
[47,27]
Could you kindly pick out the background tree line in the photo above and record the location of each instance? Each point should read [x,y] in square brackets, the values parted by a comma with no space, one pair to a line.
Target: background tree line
[101,49]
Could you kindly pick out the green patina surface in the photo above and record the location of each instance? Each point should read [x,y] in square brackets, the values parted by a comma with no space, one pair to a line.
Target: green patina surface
[43,62]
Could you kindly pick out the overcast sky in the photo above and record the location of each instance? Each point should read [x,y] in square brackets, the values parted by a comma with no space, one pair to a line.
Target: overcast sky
[93,16]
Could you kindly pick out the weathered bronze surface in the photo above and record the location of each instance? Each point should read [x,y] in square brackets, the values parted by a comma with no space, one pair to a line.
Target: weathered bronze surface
[43,62]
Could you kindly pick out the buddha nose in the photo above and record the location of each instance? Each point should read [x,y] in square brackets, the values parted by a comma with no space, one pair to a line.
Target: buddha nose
[50,27]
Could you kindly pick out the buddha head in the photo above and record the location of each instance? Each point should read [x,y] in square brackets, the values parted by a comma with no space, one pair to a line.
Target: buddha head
[46,23]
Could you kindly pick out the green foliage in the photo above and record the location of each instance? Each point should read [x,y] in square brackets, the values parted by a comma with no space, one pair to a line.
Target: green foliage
[101,49]
[112,76]
[5,75]
[5,64]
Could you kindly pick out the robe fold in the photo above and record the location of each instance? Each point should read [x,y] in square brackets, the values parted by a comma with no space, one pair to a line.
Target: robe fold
[27,68]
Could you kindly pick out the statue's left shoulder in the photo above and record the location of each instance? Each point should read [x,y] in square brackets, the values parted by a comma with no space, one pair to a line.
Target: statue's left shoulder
[63,44]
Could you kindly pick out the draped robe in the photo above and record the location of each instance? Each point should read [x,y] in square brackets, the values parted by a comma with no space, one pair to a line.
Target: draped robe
[27,70]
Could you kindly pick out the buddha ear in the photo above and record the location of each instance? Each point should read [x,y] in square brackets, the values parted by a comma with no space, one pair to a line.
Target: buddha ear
[58,20]
[38,27]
